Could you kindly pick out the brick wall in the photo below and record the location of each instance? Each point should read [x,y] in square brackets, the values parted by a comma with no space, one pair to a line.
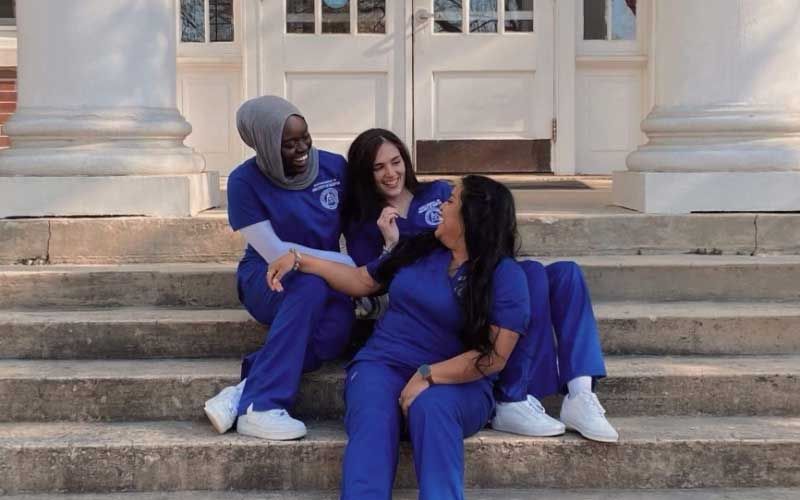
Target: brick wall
[8,100]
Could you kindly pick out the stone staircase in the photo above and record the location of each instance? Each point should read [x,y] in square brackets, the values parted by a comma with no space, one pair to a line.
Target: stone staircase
[109,349]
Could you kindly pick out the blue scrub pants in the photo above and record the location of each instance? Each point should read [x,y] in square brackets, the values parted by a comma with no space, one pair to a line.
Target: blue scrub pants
[562,341]
[438,421]
[309,323]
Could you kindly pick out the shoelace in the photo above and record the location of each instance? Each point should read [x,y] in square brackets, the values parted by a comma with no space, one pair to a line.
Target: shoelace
[535,404]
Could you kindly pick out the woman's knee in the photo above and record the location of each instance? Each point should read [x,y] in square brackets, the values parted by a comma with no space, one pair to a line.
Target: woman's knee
[564,272]
[429,406]
[536,274]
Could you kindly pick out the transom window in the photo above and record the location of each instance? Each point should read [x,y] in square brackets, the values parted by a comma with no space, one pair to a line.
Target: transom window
[336,16]
[8,13]
[609,19]
[205,21]
[484,16]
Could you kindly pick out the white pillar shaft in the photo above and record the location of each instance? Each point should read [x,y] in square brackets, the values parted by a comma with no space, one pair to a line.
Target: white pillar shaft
[97,91]
[725,130]
[97,131]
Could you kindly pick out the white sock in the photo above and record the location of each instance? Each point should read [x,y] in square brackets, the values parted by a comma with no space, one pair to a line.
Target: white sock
[579,384]
[240,385]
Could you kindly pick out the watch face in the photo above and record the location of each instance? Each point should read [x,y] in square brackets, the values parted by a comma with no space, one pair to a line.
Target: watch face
[425,371]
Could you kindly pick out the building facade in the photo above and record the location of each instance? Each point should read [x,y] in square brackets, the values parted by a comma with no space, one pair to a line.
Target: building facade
[696,99]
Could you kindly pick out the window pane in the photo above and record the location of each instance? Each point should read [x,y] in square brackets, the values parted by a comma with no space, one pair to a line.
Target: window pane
[623,20]
[299,16]
[483,16]
[447,16]
[594,20]
[220,20]
[336,16]
[372,16]
[519,15]
[193,26]
[7,9]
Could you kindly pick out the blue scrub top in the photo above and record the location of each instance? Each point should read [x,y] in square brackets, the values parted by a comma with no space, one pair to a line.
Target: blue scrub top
[364,239]
[310,217]
[424,320]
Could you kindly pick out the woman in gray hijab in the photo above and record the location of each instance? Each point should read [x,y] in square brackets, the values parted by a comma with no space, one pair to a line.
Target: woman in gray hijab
[284,199]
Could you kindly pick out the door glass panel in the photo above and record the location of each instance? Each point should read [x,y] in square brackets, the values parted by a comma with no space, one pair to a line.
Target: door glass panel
[336,16]
[220,20]
[519,15]
[594,20]
[483,16]
[193,27]
[447,16]
[300,16]
[623,19]
[372,16]
[7,12]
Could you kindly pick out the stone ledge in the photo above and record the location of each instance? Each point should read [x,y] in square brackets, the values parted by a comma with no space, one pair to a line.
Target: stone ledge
[158,195]
[685,192]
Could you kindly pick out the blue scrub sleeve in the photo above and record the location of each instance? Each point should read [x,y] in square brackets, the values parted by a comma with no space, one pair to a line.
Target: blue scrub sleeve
[511,308]
[244,207]
[372,267]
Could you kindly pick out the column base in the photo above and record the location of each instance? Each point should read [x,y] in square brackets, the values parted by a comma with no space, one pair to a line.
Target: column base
[148,195]
[686,192]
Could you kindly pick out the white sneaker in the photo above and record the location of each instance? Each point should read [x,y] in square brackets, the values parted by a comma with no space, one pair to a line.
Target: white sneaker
[277,425]
[527,418]
[223,408]
[584,413]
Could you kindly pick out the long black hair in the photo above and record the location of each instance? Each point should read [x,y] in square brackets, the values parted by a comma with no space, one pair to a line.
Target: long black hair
[363,202]
[490,232]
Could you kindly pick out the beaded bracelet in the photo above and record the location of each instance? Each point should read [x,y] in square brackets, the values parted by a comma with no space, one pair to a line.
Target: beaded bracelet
[297,259]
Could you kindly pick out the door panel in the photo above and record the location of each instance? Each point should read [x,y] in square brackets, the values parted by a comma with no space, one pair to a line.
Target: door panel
[480,73]
[341,63]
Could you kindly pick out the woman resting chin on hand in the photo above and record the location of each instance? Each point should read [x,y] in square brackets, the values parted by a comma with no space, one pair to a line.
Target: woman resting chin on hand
[458,304]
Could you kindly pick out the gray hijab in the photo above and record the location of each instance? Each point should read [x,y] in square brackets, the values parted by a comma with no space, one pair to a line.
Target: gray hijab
[260,122]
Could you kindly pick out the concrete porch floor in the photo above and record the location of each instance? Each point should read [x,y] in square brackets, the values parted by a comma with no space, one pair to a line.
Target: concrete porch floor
[548,194]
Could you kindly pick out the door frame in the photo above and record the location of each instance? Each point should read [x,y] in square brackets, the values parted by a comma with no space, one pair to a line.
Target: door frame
[255,71]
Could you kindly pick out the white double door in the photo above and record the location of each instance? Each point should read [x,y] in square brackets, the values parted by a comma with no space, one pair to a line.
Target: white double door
[429,70]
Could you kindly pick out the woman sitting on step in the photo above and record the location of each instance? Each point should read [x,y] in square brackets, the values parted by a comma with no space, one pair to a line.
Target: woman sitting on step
[287,196]
[382,187]
[458,303]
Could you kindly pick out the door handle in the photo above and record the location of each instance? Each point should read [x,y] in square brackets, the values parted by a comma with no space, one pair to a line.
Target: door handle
[423,15]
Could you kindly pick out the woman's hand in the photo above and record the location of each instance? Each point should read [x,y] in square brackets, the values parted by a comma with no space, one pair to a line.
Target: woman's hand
[278,269]
[413,388]
[387,223]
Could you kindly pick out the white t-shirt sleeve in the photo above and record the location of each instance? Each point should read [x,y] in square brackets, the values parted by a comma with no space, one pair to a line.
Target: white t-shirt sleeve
[262,237]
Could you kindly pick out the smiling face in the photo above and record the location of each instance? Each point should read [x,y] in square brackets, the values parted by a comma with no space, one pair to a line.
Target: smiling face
[295,146]
[389,171]
[451,229]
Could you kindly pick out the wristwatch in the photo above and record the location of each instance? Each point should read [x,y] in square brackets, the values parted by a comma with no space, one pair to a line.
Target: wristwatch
[425,372]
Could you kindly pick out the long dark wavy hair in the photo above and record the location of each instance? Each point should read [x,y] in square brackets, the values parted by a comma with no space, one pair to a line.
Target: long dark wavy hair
[490,231]
[363,202]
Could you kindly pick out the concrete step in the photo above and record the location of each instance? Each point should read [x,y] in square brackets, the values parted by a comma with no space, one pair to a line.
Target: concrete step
[471,494]
[208,238]
[176,389]
[654,278]
[625,328]
[660,452]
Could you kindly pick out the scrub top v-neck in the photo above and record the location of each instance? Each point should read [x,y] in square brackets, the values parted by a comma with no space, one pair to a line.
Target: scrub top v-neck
[425,318]
[364,239]
[310,217]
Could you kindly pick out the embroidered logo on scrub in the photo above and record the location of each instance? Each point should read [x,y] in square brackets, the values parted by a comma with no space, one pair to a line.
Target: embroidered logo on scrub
[432,211]
[329,198]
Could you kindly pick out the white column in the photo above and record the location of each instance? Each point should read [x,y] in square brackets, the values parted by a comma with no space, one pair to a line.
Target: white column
[724,134]
[97,130]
